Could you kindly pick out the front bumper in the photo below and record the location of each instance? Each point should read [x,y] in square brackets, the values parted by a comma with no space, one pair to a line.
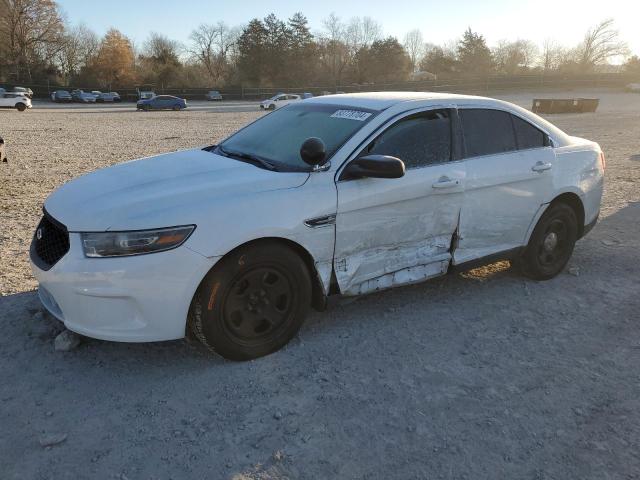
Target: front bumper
[141,298]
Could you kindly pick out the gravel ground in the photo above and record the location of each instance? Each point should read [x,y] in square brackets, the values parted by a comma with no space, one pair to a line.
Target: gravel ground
[482,375]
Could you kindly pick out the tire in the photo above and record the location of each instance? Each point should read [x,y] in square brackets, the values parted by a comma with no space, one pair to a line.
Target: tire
[551,243]
[252,303]
[146,108]
[21,107]
[272,107]
[176,108]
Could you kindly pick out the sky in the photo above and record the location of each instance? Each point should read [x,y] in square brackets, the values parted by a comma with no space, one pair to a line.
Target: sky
[564,21]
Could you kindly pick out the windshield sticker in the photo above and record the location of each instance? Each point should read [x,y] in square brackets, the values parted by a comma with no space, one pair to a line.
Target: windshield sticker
[351,115]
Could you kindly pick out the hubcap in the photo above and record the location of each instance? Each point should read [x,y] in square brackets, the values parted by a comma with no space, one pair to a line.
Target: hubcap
[258,305]
[550,241]
[555,245]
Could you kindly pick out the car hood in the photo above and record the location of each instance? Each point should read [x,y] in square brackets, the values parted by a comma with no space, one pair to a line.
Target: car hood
[164,190]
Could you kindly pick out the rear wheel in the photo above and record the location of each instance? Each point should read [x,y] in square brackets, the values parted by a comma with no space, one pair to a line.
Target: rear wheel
[253,302]
[551,243]
[21,107]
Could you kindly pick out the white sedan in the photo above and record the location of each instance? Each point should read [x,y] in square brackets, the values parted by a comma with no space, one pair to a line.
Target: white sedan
[279,101]
[346,194]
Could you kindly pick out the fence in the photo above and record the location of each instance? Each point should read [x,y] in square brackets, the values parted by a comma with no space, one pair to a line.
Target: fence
[473,85]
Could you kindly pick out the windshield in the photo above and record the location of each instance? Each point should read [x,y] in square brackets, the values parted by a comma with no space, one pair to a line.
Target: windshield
[278,136]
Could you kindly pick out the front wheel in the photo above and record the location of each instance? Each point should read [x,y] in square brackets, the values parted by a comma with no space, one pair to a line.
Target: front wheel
[252,303]
[21,107]
[176,108]
[551,243]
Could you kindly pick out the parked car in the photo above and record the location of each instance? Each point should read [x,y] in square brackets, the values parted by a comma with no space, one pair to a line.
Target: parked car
[16,100]
[82,97]
[108,97]
[61,96]
[307,95]
[347,195]
[145,95]
[3,152]
[213,95]
[279,100]
[162,102]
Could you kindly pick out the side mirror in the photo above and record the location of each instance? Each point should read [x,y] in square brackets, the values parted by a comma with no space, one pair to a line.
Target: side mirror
[313,152]
[375,166]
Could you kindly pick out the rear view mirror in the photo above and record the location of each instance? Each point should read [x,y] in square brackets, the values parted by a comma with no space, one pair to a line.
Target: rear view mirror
[375,166]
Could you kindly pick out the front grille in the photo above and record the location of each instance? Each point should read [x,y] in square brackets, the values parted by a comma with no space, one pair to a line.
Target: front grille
[50,243]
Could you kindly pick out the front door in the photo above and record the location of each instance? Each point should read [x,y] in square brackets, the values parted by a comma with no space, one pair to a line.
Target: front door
[509,178]
[398,231]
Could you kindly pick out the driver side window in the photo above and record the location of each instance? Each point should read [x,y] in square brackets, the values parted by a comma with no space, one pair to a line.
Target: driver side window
[419,140]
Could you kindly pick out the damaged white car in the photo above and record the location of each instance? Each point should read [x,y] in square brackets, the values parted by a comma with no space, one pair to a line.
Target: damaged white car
[344,194]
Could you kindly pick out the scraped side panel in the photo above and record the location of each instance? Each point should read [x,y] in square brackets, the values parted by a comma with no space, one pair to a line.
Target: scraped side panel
[365,271]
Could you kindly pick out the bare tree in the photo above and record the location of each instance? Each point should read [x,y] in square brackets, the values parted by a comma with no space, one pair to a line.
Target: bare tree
[600,44]
[362,32]
[414,46]
[511,57]
[80,46]
[211,46]
[552,55]
[334,42]
[29,29]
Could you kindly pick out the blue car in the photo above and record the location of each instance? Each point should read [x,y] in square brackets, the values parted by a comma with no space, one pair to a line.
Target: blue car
[162,102]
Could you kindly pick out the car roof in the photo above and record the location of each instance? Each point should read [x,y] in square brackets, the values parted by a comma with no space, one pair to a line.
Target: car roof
[384,100]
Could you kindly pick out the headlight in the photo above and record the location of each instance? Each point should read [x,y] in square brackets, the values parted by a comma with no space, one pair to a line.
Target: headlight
[118,244]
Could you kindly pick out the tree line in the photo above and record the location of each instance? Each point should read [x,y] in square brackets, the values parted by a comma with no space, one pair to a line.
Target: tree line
[37,46]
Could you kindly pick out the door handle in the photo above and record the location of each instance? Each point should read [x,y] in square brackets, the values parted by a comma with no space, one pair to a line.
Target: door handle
[541,167]
[446,182]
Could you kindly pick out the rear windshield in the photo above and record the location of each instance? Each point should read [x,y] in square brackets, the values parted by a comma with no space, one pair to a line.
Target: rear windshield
[278,136]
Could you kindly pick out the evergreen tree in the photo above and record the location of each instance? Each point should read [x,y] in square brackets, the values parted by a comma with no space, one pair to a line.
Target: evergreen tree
[276,49]
[389,61]
[474,57]
[251,49]
[303,51]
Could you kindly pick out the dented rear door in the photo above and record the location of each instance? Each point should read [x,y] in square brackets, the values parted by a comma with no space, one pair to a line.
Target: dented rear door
[397,231]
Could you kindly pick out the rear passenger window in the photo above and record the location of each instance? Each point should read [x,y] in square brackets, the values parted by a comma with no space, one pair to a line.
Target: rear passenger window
[418,141]
[527,135]
[487,132]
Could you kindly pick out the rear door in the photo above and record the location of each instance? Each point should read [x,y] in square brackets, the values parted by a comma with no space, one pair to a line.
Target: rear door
[509,177]
[396,231]
[159,102]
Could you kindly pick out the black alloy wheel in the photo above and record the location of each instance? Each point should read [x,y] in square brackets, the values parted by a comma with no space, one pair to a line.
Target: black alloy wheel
[551,243]
[252,302]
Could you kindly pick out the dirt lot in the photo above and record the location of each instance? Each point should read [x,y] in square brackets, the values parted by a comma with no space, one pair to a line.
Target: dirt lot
[483,375]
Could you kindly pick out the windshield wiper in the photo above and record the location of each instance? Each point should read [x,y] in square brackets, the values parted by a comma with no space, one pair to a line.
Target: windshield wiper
[261,162]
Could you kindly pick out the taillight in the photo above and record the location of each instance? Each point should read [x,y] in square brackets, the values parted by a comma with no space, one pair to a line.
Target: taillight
[603,161]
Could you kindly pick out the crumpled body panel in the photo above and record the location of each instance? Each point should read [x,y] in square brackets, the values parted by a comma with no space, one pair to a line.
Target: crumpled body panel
[385,267]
